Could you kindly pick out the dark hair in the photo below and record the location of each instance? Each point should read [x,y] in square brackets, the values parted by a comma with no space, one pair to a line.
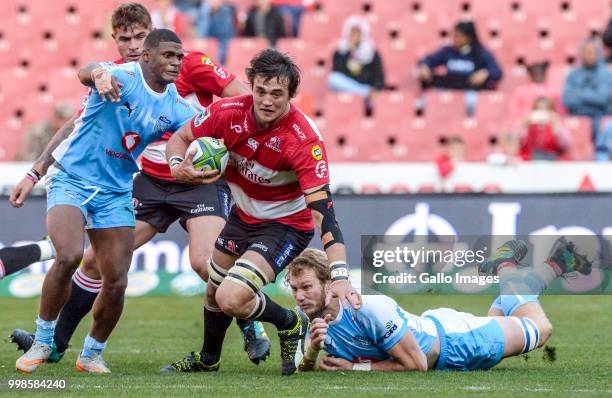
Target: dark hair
[160,35]
[129,14]
[468,29]
[270,64]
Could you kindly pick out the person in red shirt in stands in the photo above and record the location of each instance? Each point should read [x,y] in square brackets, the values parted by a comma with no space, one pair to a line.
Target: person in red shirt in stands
[543,137]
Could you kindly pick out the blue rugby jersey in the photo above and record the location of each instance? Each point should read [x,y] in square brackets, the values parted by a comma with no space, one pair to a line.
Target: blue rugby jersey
[368,333]
[109,136]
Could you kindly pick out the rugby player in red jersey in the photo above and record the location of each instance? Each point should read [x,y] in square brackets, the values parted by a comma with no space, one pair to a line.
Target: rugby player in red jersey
[279,178]
[159,199]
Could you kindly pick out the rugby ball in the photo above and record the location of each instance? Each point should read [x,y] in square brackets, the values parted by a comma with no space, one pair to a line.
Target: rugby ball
[210,154]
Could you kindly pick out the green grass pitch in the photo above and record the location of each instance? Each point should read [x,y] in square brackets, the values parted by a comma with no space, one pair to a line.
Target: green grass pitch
[156,331]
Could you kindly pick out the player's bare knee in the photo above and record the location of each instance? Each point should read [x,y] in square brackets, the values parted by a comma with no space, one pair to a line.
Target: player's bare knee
[228,302]
[200,267]
[67,261]
[546,330]
[115,287]
[89,267]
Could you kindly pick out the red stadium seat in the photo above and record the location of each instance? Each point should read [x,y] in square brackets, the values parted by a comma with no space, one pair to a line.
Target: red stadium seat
[341,107]
[208,46]
[319,28]
[239,54]
[492,106]
[416,140]
[580,131]
[444,105]
[391,106]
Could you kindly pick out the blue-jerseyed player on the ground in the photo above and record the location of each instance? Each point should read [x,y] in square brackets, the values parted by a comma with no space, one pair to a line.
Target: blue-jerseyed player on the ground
[382,336]
[91,187]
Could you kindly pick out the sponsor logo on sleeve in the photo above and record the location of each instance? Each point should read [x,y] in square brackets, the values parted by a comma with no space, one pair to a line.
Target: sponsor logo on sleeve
[220,72]
[207,61]
[321,170]
[317,152]
[299,131]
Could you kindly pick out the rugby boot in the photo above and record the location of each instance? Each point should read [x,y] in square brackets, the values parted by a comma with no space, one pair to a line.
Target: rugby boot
[292,343]
[564,258]
[256,341]
[24,340]
[513,251]
[33,358]
[94,364]
[191,363]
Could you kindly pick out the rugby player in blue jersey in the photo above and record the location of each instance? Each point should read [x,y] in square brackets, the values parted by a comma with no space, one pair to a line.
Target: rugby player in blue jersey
[382,336]
[91,187]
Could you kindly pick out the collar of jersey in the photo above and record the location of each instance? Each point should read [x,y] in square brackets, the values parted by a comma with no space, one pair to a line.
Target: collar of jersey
[144,83]
[338,317]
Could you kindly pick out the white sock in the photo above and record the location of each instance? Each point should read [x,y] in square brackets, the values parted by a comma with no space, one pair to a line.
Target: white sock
[47,251]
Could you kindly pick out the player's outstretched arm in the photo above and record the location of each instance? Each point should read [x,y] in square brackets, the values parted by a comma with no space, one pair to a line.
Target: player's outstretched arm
[181,165]
[319,201]
[22,190]
[406,356]
[97,76]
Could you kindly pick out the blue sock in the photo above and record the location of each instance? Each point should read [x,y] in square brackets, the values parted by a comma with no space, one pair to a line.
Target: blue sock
[92,347]
[510,302]
[45,330]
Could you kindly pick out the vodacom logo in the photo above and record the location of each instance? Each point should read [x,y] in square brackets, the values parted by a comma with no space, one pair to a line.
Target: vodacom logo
[130,141]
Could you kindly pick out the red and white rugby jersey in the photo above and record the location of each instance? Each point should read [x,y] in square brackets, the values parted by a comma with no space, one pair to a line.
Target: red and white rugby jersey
[199,76]
[268,169]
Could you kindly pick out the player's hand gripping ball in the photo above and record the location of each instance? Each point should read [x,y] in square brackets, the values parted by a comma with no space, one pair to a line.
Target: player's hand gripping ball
[210,154]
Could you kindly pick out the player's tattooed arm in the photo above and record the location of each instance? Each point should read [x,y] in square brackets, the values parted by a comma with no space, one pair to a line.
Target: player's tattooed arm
[22,190]
[95,75]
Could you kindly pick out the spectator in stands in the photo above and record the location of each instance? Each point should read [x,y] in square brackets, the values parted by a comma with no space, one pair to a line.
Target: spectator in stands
[38,136]
[464,65]
[292,10]
[588,88]
[453,152]
[607,41]
[543,137]
[264,20]
[165,15]
[469,66]
[504,149]
[523,97]
[357,65]
[216,20]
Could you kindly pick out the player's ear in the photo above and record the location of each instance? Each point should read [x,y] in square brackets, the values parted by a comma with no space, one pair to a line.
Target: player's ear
[145,54]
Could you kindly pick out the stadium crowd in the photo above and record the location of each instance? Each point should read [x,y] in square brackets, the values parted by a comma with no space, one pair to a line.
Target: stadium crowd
[517,82]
